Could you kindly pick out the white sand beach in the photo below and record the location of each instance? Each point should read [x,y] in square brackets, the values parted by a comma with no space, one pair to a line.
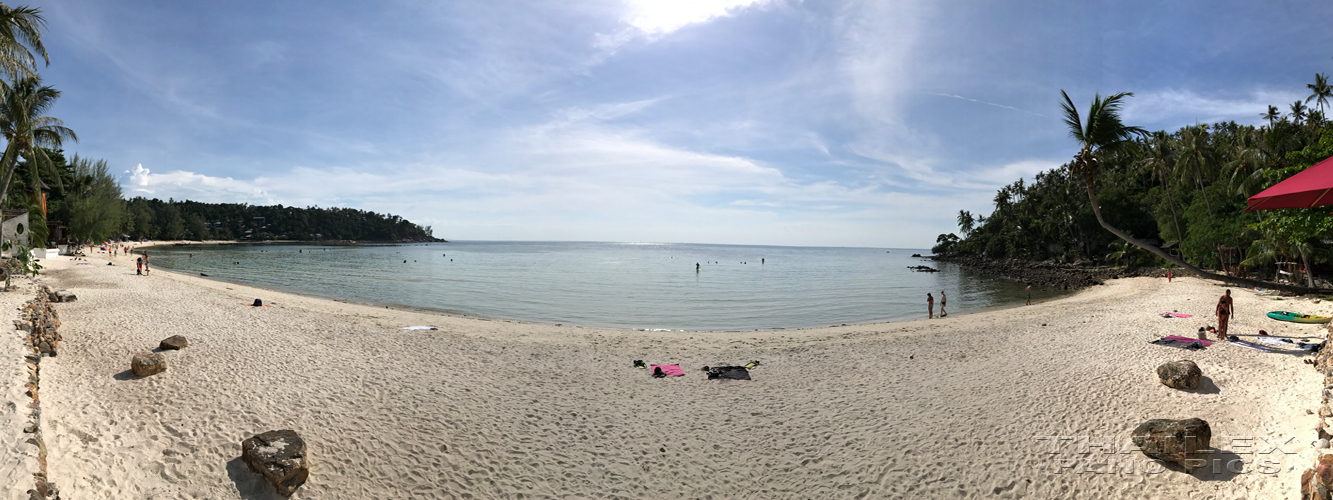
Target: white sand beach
[944,408]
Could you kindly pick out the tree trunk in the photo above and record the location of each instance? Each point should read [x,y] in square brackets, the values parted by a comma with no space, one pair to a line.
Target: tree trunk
[1206,203]
[1235,280]
[1309,272]
[4,187]
[1170,203]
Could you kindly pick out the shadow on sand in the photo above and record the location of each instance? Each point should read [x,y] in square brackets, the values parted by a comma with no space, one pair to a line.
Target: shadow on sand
[250,485]
[1222,465]
[1206,386]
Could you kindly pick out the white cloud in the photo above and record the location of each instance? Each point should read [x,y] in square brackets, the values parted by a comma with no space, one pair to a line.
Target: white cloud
[659,17]
[1173,108]
[653,19]
[183,185]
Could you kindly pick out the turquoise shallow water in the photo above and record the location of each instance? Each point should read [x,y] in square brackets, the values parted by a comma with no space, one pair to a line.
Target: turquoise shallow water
[619,285]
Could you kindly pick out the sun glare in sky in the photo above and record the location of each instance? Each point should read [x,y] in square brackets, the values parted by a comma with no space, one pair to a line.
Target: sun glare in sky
[664,16]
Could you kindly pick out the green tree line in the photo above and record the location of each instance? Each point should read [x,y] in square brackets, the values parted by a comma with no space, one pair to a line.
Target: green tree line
[1174,197]
[192,220]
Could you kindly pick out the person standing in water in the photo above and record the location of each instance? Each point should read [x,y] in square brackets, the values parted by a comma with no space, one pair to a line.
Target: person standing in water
[1029,295]
[696,267]
[944,301]
[930,306]
[1225,310]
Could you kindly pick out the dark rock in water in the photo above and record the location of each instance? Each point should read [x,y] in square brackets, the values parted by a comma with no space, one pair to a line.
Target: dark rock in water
[916,255]
[174,343]
[1185,442]
[280,457]
[1183,374]
[148,363]
[923,269]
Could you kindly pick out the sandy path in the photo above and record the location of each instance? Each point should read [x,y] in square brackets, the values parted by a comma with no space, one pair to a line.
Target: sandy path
[498,409]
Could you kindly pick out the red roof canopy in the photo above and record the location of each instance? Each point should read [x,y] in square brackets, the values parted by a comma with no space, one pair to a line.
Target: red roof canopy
[1311,187]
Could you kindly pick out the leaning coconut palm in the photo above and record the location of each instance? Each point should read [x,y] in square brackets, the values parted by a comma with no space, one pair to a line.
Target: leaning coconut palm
[1103,132]
[24,124]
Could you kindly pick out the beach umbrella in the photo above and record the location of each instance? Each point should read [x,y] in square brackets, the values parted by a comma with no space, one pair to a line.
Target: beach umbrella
[1312,187]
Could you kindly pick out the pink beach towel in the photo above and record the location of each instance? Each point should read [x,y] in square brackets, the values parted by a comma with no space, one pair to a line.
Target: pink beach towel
[1188,340]
[668,370]
[1174,315]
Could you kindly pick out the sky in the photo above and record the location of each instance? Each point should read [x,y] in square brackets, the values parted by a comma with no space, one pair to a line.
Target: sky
[771,122]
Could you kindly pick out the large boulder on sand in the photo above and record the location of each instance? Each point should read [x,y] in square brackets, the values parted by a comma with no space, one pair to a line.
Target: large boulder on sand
[280,457]
[1185,442]
[148,363]
[174,342]
[1183,374]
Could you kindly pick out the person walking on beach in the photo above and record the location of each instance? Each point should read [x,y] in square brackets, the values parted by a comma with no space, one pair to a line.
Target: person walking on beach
[1168,275]
[930,306]
[138,266]
[1029,295]
[944,301]
[145,264]
[1225,310]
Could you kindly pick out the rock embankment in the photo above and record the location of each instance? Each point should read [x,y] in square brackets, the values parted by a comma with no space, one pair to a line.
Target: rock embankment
[1047,274]
[38,321]
[1317,481]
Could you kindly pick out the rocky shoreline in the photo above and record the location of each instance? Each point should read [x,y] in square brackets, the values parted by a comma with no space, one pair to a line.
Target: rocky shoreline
[1047,274]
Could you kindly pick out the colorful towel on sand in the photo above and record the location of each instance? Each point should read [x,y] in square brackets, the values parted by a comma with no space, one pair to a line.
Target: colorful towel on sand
[668,370]
[1174,315]
[1251,345]
[1187,340]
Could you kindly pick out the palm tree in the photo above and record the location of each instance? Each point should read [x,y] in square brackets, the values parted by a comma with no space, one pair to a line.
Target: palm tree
[1161,160]
[24,124]
[1195,159]
[1298,112]
[20,36]
[1271,115]
[1103,132]
[1250,159]
[1320,90]
[966,222]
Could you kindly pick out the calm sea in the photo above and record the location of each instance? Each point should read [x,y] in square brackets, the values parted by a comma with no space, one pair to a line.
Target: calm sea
[620,285]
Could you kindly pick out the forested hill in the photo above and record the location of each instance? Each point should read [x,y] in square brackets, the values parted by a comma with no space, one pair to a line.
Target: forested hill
[192,220]
[1183,191]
